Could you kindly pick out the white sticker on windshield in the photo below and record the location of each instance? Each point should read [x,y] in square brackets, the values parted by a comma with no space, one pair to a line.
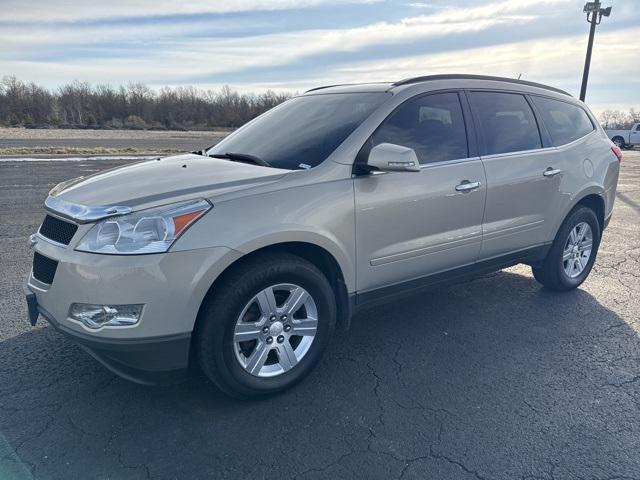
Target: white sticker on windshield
[305,166]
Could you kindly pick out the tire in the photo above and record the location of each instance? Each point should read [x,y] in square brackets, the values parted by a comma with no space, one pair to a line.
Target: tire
[559,273]
[242,300]
[619,141]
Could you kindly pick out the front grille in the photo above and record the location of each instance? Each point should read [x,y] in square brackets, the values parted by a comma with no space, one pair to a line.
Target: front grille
[58,230]
[44,269]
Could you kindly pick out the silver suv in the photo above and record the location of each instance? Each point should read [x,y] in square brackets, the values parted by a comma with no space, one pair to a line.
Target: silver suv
[245,256]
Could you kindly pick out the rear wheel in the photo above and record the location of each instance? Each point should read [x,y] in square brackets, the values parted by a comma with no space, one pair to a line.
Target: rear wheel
[572,253]
[266,326]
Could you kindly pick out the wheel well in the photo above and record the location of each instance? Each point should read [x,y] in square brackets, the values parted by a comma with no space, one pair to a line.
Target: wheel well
[314,254]
[595,203]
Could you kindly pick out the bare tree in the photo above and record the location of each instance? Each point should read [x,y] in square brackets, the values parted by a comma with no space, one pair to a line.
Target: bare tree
[135,105]
[617,119]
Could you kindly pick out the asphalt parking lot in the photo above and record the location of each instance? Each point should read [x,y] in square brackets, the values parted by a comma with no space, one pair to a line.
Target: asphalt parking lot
[494,378]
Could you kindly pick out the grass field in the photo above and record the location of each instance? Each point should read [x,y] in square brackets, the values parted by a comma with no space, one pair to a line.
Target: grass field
[21,141]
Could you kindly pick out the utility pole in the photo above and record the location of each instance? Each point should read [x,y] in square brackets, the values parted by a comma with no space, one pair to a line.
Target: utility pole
[594,17]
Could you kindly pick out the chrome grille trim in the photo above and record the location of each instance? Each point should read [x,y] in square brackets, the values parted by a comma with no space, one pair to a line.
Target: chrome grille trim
[83,213]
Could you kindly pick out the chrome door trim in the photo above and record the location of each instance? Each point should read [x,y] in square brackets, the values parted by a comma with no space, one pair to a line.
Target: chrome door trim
[424,166]
[519,152]
[576,141]
[448,162]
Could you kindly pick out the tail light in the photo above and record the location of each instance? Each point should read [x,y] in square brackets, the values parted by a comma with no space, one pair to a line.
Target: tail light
[617,152]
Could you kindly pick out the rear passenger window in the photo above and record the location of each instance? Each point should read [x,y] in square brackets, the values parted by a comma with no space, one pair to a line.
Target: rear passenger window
[433,125]
[506,121]
[564,121]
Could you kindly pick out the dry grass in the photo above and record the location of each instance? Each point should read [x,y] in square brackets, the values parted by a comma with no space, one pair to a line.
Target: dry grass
[22,141]
[64,134]
[83,151]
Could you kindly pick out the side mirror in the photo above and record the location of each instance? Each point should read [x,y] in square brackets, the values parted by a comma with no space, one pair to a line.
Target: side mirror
[388,157]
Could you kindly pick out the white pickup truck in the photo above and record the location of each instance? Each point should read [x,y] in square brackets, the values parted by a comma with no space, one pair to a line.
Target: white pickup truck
[625,138]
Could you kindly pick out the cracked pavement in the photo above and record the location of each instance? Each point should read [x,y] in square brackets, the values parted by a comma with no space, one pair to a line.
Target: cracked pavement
[494,378]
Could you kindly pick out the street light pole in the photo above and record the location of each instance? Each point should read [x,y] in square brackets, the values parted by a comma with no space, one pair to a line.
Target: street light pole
[594,17]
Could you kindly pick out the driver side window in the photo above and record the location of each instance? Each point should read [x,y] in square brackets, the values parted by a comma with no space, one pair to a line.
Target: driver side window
[432,125]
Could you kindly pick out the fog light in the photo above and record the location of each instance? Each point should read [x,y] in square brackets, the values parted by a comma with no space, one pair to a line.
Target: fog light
[96,316]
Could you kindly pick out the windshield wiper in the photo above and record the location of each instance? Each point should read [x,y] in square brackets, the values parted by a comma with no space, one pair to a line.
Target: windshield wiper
[242,157]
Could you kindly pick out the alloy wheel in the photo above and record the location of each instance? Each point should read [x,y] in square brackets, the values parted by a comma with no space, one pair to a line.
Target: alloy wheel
[275,330]
[577,250]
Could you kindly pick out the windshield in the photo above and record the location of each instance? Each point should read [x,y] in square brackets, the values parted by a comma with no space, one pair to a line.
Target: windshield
[302,132]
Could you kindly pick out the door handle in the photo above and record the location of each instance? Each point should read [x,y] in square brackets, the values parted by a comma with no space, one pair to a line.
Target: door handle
[550,172]
[467,186]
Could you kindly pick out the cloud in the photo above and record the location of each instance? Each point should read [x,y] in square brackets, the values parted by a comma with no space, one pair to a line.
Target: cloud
[165,50]
[429,6]
[556,60]
[187,50]
[75,10]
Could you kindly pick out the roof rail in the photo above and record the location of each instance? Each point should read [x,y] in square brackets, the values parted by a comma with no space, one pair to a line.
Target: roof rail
[328,86]
[347,85]
[458,76]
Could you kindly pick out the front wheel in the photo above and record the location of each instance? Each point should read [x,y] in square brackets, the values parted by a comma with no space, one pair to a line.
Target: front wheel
[265,326]
[572,253]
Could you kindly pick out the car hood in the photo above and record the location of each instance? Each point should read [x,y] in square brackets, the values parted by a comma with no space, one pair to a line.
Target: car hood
[156,181]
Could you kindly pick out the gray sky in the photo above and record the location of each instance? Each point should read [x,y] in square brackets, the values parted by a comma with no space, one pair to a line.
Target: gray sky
[297,44]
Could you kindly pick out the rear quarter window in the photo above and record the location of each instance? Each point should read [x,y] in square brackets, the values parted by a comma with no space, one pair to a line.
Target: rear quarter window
[565,122]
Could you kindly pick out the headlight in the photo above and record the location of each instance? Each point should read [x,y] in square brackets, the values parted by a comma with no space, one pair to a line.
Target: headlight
[146,231]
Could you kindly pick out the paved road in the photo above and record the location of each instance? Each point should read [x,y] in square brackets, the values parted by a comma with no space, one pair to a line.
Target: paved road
[492,379]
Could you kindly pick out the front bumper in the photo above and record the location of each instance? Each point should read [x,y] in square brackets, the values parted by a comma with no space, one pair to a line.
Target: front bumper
[171,286]
[153,361]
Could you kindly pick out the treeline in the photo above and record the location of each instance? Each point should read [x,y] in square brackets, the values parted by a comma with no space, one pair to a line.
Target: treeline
[132,106]
[136,106]
[616,119]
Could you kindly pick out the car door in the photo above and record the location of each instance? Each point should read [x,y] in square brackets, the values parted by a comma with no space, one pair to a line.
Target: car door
[412,224]
[634,136]
[523,174]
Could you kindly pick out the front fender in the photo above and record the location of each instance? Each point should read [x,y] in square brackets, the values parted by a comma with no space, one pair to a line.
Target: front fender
[301,234]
